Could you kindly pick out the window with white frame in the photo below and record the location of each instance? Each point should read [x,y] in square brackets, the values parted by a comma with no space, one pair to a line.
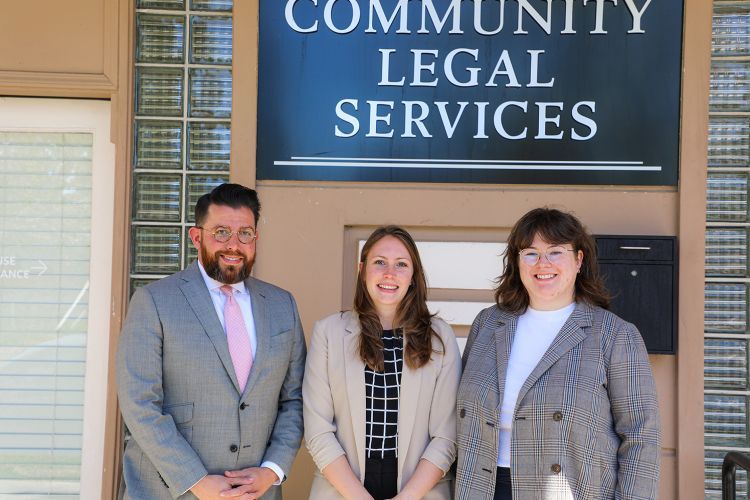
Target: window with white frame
[56,211]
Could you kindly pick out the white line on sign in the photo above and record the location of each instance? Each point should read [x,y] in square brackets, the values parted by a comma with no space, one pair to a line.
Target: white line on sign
[547,166]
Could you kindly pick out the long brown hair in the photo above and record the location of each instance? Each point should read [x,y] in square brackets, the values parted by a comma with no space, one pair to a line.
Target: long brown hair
[413,317]
[554,227]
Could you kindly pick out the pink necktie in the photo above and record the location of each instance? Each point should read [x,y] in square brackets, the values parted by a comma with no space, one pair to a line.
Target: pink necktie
[237,337]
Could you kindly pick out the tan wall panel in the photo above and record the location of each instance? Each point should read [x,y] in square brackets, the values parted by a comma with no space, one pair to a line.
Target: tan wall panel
[49,35]
[668,478]
[302,228]
[693,165]
[122,106]
[245,91]
[665,373]
[53,48]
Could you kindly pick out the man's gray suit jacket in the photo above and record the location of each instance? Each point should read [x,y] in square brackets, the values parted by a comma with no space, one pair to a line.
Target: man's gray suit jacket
[179,395]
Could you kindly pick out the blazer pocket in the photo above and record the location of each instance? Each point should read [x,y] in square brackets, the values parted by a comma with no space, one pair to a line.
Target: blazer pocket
[281,332]
[181,413]
[281,343]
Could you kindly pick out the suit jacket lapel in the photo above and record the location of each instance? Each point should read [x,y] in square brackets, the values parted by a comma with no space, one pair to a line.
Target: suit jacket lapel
[262,333]
[199,298]
[571,334]
[354,368]
[411,383]
[504,332]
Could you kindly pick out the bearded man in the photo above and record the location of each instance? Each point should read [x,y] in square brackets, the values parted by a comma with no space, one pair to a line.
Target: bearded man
[209,368]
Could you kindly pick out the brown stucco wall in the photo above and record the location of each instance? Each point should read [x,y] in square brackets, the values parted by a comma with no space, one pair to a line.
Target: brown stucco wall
[82,48]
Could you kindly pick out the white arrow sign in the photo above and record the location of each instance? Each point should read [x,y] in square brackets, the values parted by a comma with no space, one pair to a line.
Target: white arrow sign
[42,268]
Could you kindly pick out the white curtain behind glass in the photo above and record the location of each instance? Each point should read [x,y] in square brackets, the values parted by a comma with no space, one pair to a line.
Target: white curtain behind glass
[45,238]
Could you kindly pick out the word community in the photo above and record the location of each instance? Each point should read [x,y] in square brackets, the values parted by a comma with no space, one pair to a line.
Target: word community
[458,105]
[485,12]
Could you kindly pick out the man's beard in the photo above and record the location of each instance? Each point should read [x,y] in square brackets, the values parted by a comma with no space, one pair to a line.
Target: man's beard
[230,275]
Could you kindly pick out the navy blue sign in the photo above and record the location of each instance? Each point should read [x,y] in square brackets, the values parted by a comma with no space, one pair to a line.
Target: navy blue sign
[487,91]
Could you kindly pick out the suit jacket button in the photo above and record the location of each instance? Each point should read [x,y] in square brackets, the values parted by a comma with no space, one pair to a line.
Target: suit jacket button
[243,406]
[233,448]
[557,416]
[462,413]
[556,468]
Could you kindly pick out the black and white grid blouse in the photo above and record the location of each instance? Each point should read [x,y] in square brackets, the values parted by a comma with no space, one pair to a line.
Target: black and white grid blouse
[382,390]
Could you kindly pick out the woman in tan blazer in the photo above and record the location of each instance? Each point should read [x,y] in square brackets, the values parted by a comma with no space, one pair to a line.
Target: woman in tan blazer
[380,385]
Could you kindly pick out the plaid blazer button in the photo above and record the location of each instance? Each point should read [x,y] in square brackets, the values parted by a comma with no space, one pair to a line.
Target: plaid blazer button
[557,416]
[556,468]
[462,413]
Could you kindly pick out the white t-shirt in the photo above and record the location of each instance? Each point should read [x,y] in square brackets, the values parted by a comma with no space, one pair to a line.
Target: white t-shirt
[534,334]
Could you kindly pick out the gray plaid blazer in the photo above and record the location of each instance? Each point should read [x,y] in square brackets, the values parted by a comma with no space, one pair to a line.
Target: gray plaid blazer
[586,423]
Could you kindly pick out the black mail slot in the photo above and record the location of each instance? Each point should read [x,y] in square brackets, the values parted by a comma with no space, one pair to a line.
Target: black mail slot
[640,273]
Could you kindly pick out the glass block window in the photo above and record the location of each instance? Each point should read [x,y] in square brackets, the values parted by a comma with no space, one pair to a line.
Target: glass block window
[211,42]
[725,364]
[728,142]
[731,30]
[726,419]
[726,251]
[725,308]
[161,39]
[158,145]
[182,126]
[727,197]
[730,86]
[208,146]
[713,461]
[726,383]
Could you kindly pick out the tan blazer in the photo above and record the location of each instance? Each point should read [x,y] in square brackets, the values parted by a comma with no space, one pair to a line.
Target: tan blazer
[333,395]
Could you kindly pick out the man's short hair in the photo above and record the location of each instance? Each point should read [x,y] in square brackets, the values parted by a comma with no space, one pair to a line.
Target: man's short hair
[229,195]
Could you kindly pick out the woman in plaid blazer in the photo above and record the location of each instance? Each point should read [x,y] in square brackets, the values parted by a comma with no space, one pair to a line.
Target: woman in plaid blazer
[557,398]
